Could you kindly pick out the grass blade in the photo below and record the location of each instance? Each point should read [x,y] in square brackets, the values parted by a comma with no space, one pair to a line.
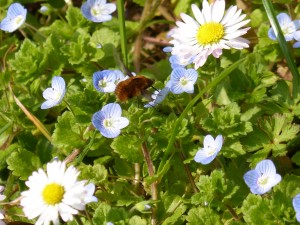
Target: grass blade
[283,45]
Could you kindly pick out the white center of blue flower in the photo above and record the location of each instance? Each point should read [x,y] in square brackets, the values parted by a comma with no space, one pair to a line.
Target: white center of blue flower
[97,10]
[183,81]
[263,180]
[18,19]
[103,83]
[211,151]
[56,95]
[108,122]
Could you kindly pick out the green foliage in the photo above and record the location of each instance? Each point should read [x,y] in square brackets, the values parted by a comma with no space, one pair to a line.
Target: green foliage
[23,163]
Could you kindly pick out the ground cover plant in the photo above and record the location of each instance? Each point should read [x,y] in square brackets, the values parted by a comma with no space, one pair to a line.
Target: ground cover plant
[149,112]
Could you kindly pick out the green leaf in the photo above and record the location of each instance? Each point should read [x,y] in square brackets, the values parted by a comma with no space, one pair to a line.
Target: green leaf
[75,50]
[26,62]
[182,6]
[109,40]
[203,215]
[258,210]
[23,163]
[257,18]
[296,158]
[100,214]
[4,155]
[271,134]
[137,220]
[75,17]
[129,147]
[227,121]
[96,174]
[65,135]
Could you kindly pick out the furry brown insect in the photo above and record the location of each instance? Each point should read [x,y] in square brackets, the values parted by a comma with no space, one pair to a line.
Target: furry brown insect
[132,87]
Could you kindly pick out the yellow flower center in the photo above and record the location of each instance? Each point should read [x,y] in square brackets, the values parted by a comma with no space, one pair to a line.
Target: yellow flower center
[53,193]
[210,33]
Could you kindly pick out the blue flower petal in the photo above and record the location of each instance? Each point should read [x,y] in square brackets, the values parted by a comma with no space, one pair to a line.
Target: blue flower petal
[201,157]
[16,16]
[283,19]
[167,49]
[110,132]
[109,121]
[54,95]
[48,104]
[192,75]
[101,9]
[177,73]
[296,203]
[271,34]
[262,178]
[266,167]
[58,83]
[296,45]
[97,120]
[251,178]
[109,79]
[176,88]
[112,110]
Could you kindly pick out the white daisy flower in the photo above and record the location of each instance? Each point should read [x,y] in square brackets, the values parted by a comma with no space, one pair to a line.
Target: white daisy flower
[98,10]
[55,94]
[16,16]
[54,193]
[261,179]
[109,120]
[210,150]
[287,26]
[211,31]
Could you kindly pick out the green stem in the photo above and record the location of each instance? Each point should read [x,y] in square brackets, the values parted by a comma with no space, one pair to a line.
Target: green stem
[85,150]
[69,107]
[216,81]
[121,16]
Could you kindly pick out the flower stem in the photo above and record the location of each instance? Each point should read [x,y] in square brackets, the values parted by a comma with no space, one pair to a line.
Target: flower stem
[69,107]
[122,29]
[188,172]
[154,184]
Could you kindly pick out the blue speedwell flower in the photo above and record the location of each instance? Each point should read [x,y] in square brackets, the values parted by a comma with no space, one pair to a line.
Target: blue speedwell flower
[16,16]
[55,94]
[262,178]
[158,97]
[287,26]
[109,121]
[106,80]
[182,80]
[297,38]
[98,10]
[296,204]
[210,150]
